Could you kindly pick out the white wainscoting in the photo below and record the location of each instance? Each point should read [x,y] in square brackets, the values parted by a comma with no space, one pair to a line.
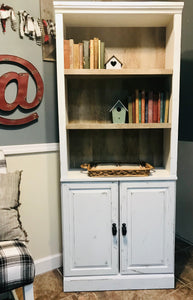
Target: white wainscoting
[30,148]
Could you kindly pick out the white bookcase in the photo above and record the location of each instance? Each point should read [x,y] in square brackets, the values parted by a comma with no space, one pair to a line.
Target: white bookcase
[118,232]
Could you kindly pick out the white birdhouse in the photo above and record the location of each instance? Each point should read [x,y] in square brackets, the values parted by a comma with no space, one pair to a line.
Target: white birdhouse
[113,63]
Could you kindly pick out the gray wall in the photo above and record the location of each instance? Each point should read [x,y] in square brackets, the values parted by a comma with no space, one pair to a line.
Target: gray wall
[184,208]
[186,86]
[45,130]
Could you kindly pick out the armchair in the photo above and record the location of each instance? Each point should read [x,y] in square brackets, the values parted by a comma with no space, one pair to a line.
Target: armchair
[16,264]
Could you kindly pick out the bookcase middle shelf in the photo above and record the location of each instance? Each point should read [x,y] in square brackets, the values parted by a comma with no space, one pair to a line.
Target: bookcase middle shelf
[92,125]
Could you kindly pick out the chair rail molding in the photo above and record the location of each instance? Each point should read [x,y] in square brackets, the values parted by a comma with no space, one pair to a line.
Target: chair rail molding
[30,148]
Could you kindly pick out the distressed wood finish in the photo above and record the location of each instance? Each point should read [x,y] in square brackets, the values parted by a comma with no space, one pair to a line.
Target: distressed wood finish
[130,71]
[147,209]
[91,99]
[116,145]
[145,36]
[90,210]
[47,13]
[135,47]
[92,125]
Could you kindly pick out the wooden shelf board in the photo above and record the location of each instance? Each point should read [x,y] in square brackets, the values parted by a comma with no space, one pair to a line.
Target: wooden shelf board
[77,126]
[157,174]
[118,72]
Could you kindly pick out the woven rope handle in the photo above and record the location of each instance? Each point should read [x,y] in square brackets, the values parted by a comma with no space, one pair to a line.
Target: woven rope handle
[149,166]
[84,166]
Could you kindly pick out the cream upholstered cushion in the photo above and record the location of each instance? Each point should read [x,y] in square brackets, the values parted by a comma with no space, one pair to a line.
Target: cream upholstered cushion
[10,224]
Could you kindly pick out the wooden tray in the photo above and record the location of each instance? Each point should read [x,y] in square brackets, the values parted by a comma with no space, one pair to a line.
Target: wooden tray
[117,169]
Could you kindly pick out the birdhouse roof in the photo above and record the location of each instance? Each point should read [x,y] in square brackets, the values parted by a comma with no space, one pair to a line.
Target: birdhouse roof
[120,103]
[115,58]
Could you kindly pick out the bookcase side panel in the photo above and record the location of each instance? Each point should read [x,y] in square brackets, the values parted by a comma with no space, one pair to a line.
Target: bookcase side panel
[166,149]
[169,45]
[61,89]
[175,92]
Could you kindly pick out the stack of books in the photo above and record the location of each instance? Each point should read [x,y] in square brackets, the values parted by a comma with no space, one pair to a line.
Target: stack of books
[89,54]
[148,107]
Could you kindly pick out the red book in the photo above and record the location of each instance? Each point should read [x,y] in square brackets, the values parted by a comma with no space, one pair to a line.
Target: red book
[150,107]
[158,108]
[155,108]
[133,110]
[137,106]
[66,54]
[143,106]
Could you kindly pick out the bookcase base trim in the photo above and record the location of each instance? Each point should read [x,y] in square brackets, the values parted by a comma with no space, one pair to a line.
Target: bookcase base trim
[118,282]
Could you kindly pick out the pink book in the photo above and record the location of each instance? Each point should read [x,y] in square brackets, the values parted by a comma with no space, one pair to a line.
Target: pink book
[150,107]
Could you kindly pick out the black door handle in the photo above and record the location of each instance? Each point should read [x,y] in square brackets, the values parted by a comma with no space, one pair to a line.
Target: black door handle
[124,229]
[114,229]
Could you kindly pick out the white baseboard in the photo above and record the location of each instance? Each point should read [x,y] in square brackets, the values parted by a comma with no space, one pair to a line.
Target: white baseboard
[48,263]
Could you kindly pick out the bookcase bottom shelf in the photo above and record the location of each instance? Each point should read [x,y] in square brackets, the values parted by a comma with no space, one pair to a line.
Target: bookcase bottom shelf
[125,146]
[81,175]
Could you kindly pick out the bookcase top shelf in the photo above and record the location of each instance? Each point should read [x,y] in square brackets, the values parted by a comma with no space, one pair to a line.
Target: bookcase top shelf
[77,126]
[99,13]
[118,72]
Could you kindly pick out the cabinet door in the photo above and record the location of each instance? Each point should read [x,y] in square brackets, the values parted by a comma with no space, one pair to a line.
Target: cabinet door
[147,210]
[89,211]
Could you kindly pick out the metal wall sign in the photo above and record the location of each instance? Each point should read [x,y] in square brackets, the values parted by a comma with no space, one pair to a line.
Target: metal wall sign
[21,79]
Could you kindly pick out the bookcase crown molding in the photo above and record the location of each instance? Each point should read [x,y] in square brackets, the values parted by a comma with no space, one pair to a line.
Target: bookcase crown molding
[142,7]
[108,14]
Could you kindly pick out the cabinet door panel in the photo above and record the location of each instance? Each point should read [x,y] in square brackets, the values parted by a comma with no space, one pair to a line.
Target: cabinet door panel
[148,212]
[89,210]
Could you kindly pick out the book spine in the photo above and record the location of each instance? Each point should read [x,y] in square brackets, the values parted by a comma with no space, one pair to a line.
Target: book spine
[133,109]
[66,54]
[91,54]
[86,58]
[71,52]
[130,113]
[161,107]
[158,108]
[143,106]
[81,55]
[76,57]
[166,117]
[137,106]
[95,53]
[155,108]
[102,55]
[146,107]
[99,54]
[150,107]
